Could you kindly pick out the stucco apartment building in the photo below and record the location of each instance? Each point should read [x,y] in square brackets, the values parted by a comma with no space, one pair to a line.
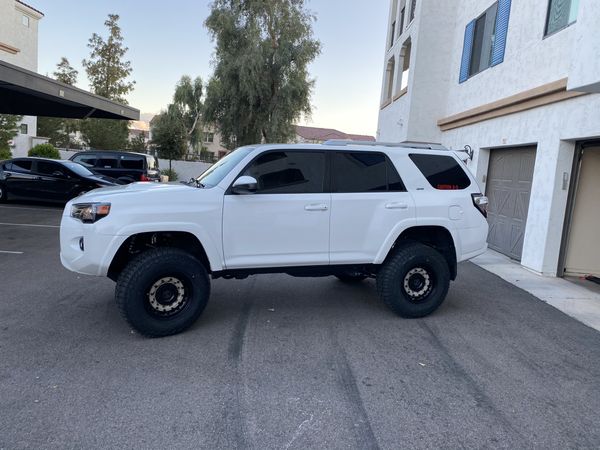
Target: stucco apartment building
[517,82]
[19,46]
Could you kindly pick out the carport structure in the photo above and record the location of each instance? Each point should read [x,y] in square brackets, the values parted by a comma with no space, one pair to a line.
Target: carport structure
[27,93]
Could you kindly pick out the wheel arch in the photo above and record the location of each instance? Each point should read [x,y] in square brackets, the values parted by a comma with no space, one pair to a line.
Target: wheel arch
[438,237]
[140,242]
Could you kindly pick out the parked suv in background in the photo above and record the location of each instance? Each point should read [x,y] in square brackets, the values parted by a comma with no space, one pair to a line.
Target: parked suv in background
[403,214]
[127,167]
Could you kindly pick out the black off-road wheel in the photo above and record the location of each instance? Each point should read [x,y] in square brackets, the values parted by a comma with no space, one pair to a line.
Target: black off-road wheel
[351,277]
[414,280]
[162,291]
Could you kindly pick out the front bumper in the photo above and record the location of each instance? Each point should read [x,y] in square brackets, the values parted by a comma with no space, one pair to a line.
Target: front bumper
[98,249]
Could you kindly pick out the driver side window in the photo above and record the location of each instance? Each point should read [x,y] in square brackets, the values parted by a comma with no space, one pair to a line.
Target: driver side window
[290,172]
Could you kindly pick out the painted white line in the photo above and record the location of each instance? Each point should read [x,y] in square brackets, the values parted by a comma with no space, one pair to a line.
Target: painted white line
[11,253]
[28,225]
[34,209]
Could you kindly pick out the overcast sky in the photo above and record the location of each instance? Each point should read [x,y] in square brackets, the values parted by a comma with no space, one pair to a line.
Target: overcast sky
[167,39]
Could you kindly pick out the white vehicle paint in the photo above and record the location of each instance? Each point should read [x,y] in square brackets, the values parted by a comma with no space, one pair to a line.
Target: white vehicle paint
[270,227]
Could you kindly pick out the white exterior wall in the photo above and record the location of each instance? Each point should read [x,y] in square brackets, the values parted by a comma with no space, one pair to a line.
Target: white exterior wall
[531,60]
[25,40]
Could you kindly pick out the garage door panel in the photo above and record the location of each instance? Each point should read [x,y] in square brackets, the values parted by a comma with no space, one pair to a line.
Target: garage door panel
[510,175]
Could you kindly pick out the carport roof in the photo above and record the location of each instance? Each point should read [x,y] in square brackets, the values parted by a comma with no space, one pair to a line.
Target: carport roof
[27,93]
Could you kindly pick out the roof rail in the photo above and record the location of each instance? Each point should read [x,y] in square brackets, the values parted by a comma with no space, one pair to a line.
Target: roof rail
[386,144]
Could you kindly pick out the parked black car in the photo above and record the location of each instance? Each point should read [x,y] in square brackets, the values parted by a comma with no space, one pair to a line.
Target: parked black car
[47,180]
[124,166]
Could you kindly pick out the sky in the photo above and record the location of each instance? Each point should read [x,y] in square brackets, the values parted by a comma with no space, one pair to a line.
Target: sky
[168,39]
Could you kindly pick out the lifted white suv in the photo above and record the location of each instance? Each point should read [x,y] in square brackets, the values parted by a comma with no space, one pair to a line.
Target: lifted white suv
[404,214]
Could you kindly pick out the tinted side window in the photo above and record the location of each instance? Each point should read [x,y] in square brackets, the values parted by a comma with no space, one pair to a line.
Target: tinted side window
[107,162]
[442,172]
[288,172]
[47,168]
[86,160]
[132,162]
[394,181]
[359,172]
[21,166]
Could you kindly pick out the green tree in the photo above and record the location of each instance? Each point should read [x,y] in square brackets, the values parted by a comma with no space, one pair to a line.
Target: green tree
[107,72]
[138,143]
[188,100]
[169,136]
[8,130]
[57,129]
[44,151]
[261,85]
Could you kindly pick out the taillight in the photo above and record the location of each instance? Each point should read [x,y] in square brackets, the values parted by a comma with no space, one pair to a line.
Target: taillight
[144,178]
[481,203]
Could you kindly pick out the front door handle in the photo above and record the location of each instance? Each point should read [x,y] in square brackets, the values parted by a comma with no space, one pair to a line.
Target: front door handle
[316,207]
[396,205]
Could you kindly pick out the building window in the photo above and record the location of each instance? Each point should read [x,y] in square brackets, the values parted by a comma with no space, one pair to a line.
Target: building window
[413,9]
[483,40]
[403,82]
[394,13]
[402,19]
[209,137]
[389,79]
[23,129]
[25,20]
[561,14]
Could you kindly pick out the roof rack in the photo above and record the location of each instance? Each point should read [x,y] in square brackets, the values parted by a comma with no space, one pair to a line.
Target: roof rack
[386,144]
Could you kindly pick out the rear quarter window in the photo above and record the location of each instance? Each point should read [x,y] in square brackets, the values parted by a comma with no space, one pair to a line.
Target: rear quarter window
[132,162]
[442,172]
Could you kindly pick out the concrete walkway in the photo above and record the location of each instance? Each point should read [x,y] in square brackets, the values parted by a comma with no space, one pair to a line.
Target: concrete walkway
[571,298]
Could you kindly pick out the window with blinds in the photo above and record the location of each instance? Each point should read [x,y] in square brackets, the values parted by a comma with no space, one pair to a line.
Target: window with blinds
[561,13]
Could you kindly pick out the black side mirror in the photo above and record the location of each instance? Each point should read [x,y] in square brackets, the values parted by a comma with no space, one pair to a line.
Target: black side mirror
[244,185]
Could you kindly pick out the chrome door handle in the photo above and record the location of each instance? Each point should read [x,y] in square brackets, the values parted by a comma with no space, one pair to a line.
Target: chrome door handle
[316,207]
[396,205]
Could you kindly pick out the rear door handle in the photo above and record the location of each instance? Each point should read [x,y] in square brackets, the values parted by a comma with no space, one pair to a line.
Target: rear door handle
[396,205]
[316,207]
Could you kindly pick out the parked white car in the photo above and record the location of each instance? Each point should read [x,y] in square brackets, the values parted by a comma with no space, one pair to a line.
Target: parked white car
[403,214]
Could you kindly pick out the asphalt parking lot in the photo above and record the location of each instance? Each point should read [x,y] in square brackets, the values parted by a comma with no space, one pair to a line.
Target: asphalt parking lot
[282,362]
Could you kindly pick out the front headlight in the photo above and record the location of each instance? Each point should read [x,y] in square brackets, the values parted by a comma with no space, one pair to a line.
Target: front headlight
[90,212]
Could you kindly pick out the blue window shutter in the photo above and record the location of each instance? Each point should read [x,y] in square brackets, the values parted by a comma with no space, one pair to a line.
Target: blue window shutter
[465,62]
[501,32]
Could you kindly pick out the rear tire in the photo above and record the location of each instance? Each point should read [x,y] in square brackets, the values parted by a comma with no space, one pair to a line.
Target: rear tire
[162,291]
[3,194]
[414,280]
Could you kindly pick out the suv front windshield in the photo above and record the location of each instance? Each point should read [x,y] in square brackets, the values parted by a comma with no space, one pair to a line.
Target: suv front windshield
[215,173]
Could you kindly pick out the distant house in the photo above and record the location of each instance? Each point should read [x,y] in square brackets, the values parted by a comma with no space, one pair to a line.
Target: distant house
[316,135]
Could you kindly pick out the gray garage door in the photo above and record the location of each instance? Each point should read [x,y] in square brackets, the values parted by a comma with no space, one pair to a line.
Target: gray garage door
[509,187]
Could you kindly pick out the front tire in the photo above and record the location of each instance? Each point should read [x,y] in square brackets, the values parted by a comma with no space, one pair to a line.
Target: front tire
[162,291]
[414,281]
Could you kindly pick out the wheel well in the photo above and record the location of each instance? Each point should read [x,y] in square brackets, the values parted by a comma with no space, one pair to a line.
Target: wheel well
[436,237]
[139,243]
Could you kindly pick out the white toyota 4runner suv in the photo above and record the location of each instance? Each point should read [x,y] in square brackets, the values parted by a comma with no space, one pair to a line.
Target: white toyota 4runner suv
[404,214]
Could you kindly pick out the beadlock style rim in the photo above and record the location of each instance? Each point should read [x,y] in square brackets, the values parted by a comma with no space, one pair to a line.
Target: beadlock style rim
[167,295]
[417,283]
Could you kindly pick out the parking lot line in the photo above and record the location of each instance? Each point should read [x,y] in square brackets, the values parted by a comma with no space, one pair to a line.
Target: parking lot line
[28,225]
[33,209]
[11,253]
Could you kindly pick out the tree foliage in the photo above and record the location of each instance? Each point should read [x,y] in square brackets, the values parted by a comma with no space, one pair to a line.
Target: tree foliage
[8,129]
[261,85]
[106,69]
[169,135]
[138,143]
[188,100]
[108,74]
[57,129]
[44,151]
